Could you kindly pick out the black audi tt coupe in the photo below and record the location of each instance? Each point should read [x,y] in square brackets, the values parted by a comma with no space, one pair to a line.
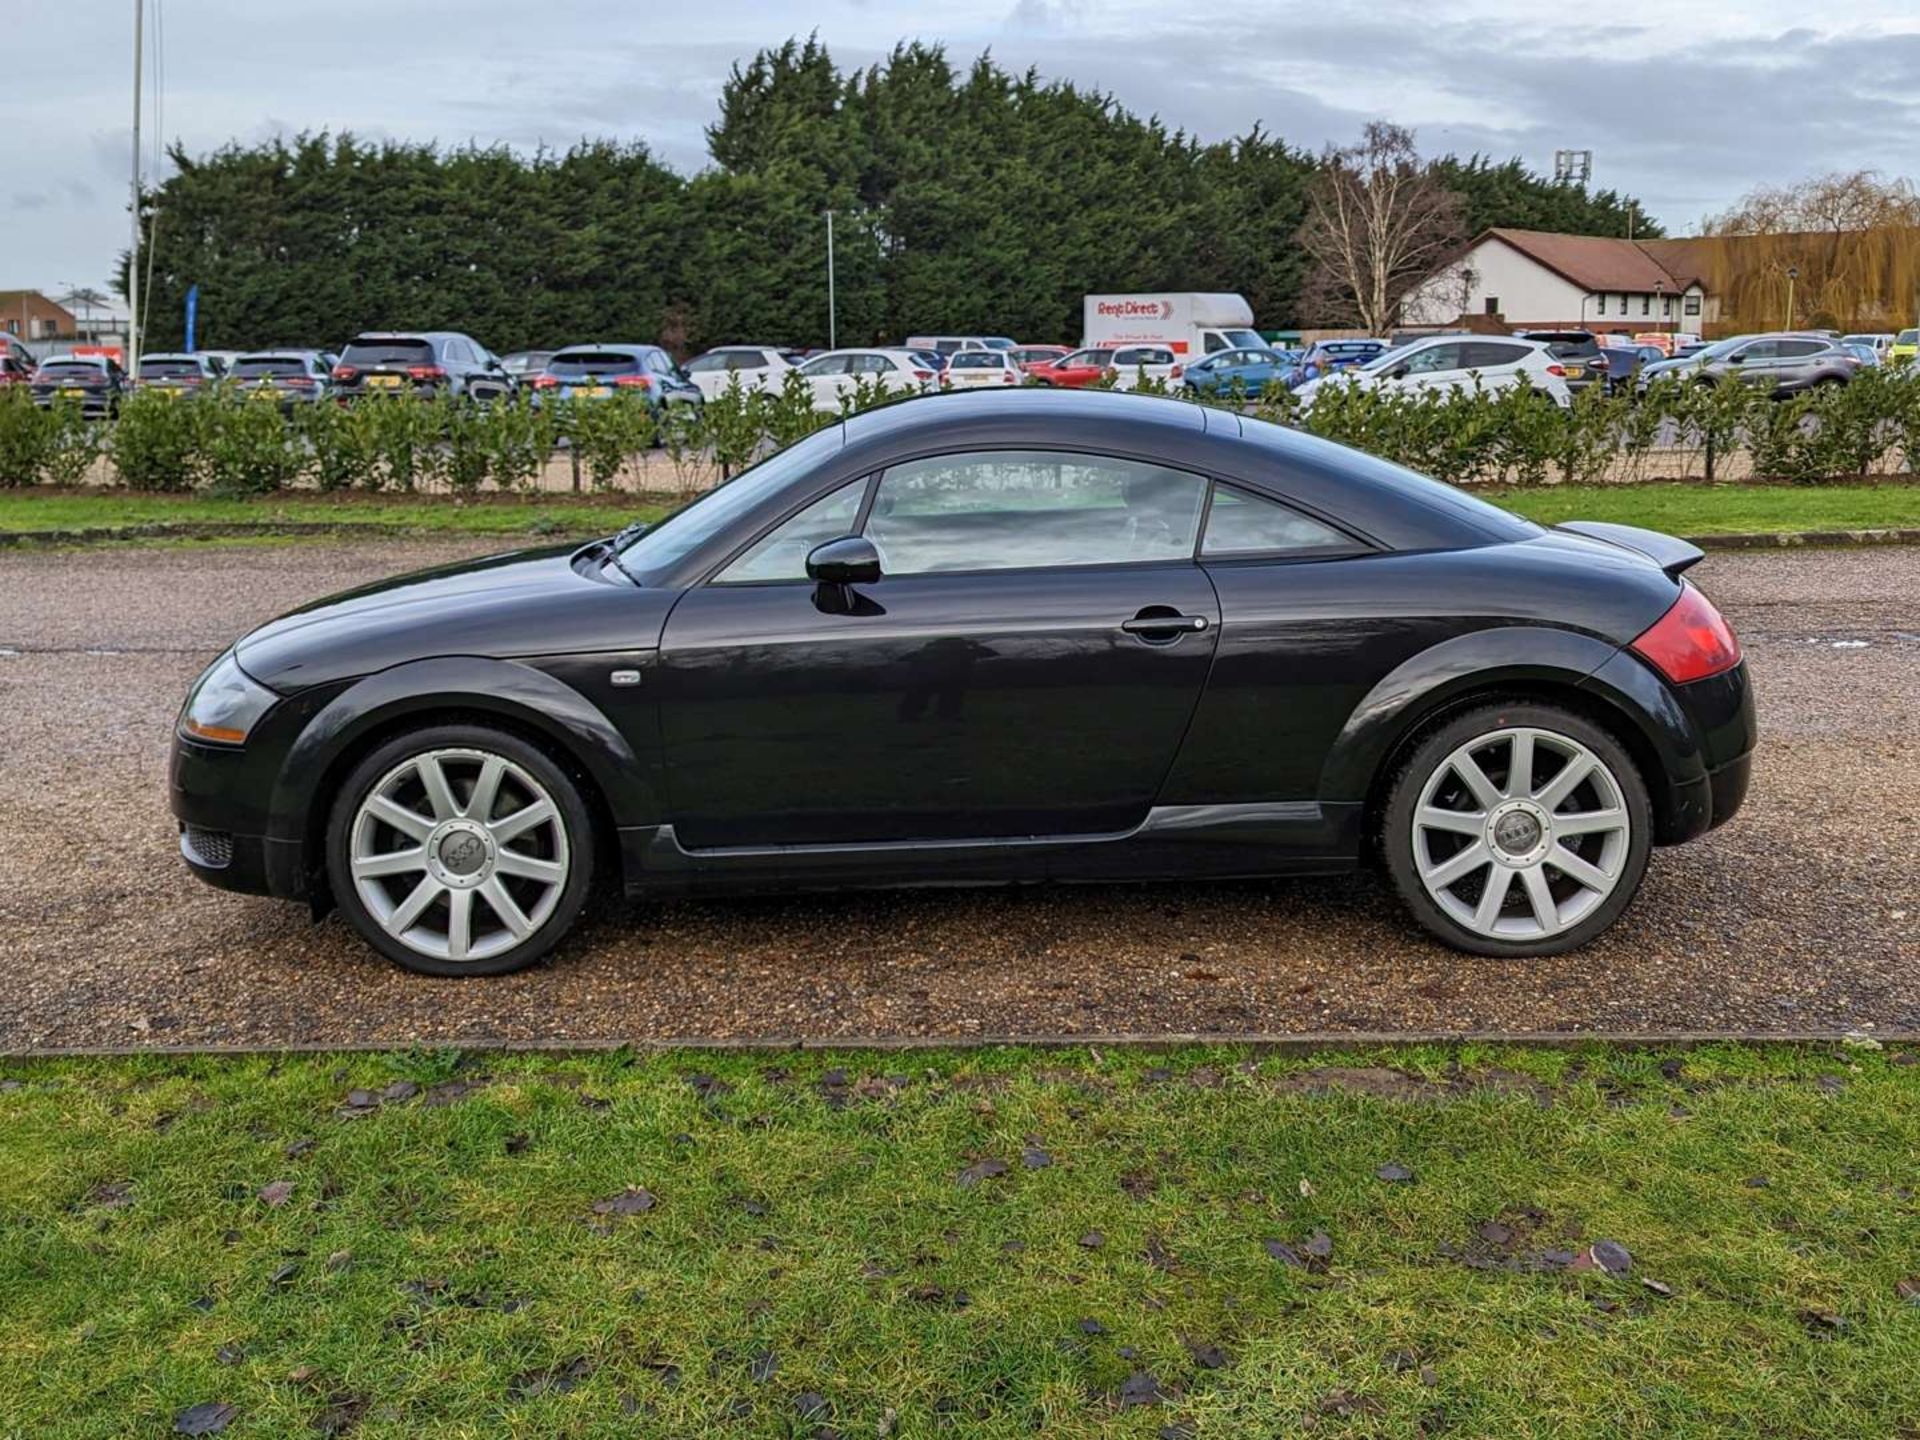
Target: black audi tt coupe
[986,637]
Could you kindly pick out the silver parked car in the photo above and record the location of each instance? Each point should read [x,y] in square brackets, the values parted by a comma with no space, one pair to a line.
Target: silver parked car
[1783,363]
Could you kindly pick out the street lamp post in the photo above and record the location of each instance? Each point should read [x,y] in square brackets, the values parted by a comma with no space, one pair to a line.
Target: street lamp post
[1660,301]
[133,252]
[833,336]
[1793,274]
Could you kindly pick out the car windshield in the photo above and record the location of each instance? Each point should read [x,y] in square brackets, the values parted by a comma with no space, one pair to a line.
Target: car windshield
[977,360]
[69,370]
[388,352]
[169,369]
[670,541]
[571,363]
[1908,337]
[260,367]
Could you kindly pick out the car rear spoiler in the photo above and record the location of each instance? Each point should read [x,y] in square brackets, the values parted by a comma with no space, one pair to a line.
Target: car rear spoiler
[1670,554]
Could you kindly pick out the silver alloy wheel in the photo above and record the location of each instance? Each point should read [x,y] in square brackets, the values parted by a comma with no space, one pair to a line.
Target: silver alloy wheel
[1520,833]
[459,854]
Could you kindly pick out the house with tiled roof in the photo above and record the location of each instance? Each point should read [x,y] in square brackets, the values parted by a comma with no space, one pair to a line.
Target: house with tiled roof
[1537,279]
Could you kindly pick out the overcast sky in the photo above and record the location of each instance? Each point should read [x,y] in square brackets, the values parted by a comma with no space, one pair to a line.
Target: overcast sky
[1685,104]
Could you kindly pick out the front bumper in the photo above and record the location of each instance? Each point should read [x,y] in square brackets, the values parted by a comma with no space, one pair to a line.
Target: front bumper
[217,796]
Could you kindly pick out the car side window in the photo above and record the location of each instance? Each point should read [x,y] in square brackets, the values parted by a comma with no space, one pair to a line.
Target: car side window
[1028,509]
[1759,350]
[1488,354]
[781,554]
[1434,358]
[1797,349]
[1242,523]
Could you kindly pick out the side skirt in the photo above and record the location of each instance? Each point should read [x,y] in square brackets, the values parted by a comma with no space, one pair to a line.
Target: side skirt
[1173,842]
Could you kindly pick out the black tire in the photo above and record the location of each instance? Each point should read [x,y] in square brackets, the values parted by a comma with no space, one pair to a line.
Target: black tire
[1431,751]
[574,821]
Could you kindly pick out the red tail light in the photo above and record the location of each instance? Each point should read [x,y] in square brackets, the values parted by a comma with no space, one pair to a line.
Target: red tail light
[633,382]
[544,382]
[1559,370]
[344,372]
[1691,641]
[1175,373]
[426,372]
[301,382]
[1009,377]
[927,375]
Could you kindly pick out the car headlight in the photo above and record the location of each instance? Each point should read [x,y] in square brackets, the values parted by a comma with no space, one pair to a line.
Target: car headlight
[224,704]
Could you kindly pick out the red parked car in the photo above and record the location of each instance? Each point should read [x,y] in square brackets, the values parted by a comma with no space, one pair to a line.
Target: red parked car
[1028,356]
[1071,372]
[14,371]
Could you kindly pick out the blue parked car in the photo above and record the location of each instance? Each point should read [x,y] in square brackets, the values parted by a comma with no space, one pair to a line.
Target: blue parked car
[1323,357]
[1253,369]
[595,371]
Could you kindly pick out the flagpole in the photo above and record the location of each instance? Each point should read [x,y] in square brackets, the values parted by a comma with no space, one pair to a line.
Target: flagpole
[133,255]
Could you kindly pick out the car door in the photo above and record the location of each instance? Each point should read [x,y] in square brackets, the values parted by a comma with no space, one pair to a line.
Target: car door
[1755,364]
[1439,366]
[1025,666]
[827,376]
[1796,360]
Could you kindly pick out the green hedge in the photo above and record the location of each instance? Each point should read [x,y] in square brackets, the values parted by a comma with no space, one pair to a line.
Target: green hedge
[224,443]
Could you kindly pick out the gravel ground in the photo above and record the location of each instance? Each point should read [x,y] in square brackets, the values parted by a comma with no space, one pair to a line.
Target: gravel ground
[1801,915]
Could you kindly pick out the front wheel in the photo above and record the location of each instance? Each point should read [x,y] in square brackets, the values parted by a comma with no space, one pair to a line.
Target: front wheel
[460,850]
[1518,830]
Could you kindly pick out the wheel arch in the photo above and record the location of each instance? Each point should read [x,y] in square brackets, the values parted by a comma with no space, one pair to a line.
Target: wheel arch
[1532,664]
[502,695]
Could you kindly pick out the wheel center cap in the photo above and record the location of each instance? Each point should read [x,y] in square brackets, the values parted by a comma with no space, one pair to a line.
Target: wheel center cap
[460,854]
[1516,832]
[1519,833]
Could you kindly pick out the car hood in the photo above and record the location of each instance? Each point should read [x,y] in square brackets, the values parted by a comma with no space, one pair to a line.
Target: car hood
[523,603]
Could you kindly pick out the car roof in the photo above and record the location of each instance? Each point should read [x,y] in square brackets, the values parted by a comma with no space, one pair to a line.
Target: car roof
[615,349]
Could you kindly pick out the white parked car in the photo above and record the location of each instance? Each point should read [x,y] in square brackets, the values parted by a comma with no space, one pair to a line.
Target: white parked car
[837,373]
[974,369]
[759,367]
[954,344]
[1132,363]
[1454,362]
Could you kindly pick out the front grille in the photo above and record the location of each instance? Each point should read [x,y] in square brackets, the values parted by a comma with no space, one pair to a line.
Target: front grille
[211,848]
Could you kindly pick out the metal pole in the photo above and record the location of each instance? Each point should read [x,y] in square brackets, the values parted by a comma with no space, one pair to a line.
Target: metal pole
[833,334]
[133,255]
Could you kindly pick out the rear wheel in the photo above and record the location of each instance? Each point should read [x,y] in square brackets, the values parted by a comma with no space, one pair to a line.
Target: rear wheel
[460,850]
[1518,830]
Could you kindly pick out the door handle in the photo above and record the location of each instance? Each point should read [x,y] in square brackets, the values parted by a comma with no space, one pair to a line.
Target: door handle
[1164,624]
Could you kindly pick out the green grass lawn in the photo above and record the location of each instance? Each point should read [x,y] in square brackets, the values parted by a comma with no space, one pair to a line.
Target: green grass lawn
[1000,1243]
[1721,509]
[30,510]
[1678,509]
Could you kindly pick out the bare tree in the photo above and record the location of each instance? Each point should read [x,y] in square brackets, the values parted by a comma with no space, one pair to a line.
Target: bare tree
[1377,223]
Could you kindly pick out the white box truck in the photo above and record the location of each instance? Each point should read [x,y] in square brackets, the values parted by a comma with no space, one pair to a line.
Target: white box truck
[1190,323]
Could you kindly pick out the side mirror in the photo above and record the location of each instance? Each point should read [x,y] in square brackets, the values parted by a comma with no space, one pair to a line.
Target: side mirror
[1736,359]
[1400,374]
[850,560]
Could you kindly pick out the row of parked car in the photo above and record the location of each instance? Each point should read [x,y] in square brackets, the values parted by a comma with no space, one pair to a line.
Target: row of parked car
[1558,363]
